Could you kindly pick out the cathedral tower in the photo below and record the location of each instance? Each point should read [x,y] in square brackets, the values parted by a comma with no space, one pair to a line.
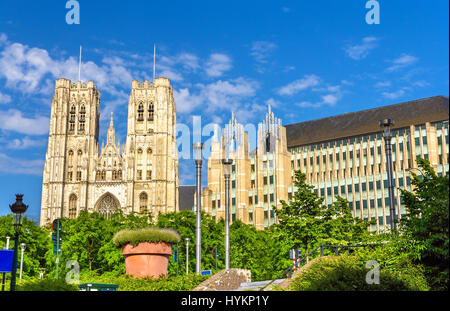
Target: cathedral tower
[151,150]
[73,139]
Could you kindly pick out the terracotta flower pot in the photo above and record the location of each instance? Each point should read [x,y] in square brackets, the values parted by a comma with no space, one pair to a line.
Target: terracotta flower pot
[147,259]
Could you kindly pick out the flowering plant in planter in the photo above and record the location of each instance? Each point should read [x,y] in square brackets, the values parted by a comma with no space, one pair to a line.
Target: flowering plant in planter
[146,250]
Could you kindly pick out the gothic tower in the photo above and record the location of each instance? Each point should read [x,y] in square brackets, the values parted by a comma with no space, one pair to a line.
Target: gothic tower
[151,150]
[72,142]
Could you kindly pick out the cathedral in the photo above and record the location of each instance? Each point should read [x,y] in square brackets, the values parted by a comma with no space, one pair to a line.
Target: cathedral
[141,175]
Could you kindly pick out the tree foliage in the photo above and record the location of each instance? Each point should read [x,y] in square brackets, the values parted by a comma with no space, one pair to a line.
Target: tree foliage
[307,222]
[427,221]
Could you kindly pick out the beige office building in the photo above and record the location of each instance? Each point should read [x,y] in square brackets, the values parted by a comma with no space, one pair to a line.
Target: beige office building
[341,155]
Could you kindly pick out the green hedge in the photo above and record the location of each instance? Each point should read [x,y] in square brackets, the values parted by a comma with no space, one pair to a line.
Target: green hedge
[46,285]
[127,283]
[149,234]
[348,273]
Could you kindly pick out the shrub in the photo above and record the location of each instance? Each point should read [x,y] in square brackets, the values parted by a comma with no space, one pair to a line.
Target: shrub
[46,285]
[150,234]
[348,273]
[128,283]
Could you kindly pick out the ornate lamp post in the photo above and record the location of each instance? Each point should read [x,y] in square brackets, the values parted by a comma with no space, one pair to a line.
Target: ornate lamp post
[227,168]
[18,208]
[198,147]
[386,124]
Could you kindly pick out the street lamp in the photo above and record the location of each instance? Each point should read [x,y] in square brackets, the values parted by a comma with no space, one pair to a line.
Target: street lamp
[187,255]
[386,124]
[198,147]
[22,248]
[227,168]
[18,208]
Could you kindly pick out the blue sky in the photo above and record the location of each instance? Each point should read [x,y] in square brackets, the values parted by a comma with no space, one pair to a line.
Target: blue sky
[308,59]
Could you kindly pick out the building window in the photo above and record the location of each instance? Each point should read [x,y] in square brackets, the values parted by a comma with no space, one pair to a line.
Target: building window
[103,175]
[78,176]
[72,118]
[72,206]
[70,158]
[69,176]
[140,112]
[82,119]
[151,111]
[143,201]
[149,175]
[139,175]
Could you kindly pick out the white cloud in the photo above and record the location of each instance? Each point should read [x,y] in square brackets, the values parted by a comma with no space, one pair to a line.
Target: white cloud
[296,86]
[403,61]
[395,94]
[20,166]
[216,96]
[261,50]
[360,51]
[217,64]
[24,143]
[4,98]
[382,84]
[3,39]
[13,120]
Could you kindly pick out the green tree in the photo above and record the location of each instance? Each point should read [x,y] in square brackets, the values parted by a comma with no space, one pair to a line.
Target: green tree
[427,220]
[307,222]
[37,242]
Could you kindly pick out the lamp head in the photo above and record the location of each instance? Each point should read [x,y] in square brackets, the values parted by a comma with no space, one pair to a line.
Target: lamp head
[18,207]
[227,165]
[198,147]
[386,122]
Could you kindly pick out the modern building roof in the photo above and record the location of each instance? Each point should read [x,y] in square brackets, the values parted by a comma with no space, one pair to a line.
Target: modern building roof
[186,197]
[431,109]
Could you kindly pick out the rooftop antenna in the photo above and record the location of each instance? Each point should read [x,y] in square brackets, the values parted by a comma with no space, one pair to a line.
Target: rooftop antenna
[79,67]
[154,61]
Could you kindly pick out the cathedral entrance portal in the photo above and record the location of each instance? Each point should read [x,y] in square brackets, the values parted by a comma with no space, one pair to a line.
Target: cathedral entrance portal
[107,205]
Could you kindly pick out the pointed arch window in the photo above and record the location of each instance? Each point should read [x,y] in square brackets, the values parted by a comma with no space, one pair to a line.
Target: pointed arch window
[140,112]
[70,159]
[72,118]
[107,206]
[143,201]
[82,119]
[139,154]
[151,111]
[72,206]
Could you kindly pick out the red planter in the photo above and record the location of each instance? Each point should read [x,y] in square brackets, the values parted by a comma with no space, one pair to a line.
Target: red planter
[147,259]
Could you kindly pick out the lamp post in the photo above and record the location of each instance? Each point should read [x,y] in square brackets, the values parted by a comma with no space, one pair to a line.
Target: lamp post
[18,208]
[22,248]
[386,124]
[187,255]
[227,168]
[198,147]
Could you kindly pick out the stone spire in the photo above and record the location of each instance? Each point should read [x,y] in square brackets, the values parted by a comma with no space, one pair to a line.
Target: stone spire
[111,139]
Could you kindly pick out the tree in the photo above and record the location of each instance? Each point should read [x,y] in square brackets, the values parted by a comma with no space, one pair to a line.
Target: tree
[427,220]
[307,222]
[37,242]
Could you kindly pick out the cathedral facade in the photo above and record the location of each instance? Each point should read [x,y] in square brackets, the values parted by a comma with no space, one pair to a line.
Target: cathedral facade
[141,175]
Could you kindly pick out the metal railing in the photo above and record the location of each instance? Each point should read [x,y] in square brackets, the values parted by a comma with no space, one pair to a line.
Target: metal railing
[288,271]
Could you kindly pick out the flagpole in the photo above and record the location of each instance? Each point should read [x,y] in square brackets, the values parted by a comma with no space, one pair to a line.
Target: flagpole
[79,67]
[154,61]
